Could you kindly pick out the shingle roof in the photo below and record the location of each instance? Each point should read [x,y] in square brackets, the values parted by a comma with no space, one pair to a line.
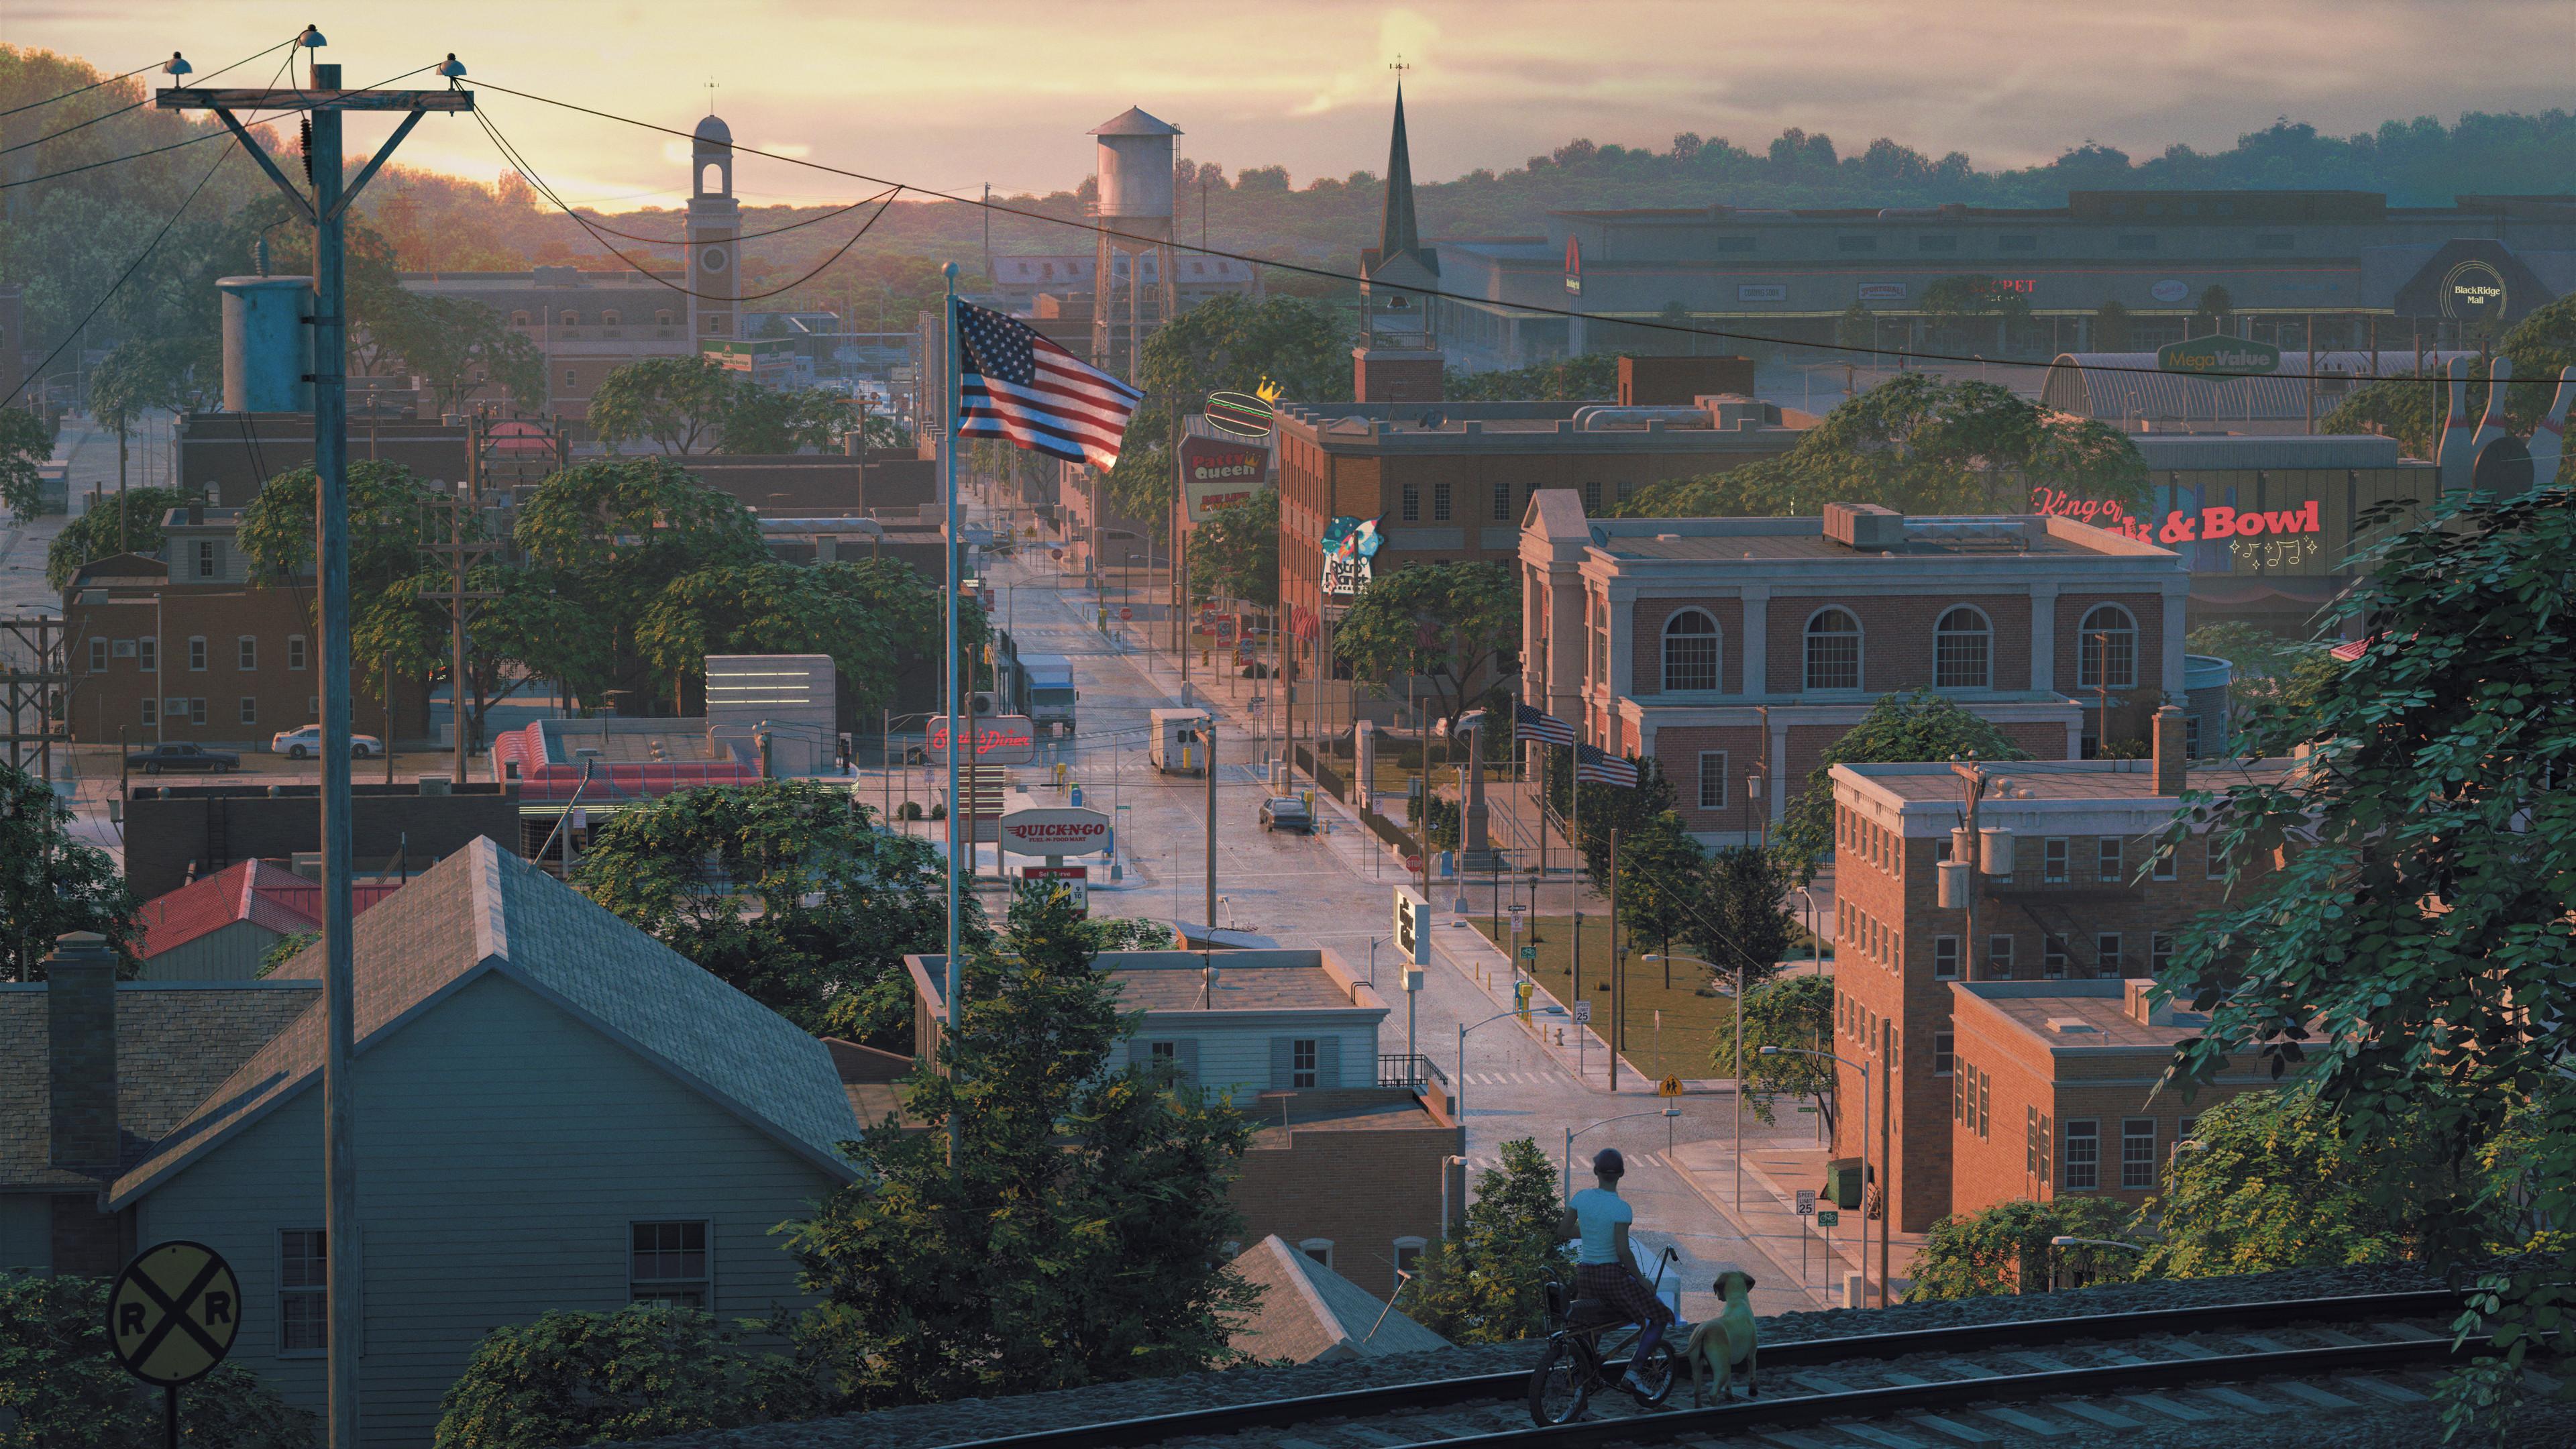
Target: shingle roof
[175,1042]
[484,909]
[1311,1312]
[252,890]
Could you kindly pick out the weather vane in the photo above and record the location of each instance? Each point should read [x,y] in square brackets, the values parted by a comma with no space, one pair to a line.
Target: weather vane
[711,95]
[1399,66]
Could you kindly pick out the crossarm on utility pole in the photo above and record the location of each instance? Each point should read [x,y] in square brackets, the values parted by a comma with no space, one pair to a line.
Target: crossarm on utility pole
[349,195]
[302,203]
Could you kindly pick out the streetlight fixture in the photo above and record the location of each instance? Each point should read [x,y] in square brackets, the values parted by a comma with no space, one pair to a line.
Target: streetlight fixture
[1573,1132]
[1886,1181]
[1463,1029]
[1737,1011]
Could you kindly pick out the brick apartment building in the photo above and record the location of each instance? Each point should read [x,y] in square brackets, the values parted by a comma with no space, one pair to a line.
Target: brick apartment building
[2071,897]
[1351,1173]
[192,650]
[1635,630]
[2052,1090]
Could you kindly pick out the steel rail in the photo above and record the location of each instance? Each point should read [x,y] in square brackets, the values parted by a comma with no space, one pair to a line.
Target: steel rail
[1806,1353]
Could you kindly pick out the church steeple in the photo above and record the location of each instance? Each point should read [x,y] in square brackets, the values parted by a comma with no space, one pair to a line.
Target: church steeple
[1398,235]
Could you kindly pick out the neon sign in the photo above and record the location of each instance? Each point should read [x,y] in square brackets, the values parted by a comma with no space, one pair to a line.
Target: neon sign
[2212,524]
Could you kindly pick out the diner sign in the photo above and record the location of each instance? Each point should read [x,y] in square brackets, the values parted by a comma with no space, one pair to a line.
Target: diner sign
[1008,739]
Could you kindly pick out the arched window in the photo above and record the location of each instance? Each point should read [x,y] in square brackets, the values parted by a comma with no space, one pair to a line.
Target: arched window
[518,319]
[1963,654]
[1833,650]
[2106,654]
[608,319]
[1319,1249]
[662,318]
[572,319]
[1690,651]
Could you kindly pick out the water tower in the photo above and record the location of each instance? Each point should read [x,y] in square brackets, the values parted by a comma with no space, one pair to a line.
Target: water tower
[1135,252]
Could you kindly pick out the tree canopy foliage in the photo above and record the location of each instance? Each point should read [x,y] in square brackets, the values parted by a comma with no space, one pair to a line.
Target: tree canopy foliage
[1796,1014]
[61,1387]
[127,521]
[1457,625]
[642,1372]
[52,882]
[1235,554]
[1912,724]
[693,405]
[1486,1281]
[2411,409]
[2006,1248]
[1227,343]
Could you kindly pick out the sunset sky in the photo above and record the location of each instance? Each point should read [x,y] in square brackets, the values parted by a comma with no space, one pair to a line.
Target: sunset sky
[950,96]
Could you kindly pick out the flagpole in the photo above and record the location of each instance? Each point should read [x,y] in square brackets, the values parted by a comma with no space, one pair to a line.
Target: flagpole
[957,810]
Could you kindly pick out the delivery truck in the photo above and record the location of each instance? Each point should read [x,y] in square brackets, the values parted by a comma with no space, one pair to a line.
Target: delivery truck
[1179,745]
[1048,694]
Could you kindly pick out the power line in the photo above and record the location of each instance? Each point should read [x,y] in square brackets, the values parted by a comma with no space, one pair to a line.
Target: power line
[1325,274]
[85,90]
[115,160]
[121,110]
[511,154]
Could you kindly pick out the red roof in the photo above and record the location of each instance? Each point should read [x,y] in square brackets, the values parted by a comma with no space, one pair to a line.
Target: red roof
[266,895]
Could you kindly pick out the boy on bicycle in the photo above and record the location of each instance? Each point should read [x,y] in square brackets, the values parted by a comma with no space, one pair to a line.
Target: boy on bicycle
[1604,1269]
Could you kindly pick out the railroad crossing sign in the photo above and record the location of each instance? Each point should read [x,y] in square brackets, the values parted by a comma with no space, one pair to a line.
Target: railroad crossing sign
[1828,1218]
[1670,1086]
[173,1313]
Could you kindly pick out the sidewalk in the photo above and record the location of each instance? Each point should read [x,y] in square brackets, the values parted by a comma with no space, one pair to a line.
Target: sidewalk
[1778,1161]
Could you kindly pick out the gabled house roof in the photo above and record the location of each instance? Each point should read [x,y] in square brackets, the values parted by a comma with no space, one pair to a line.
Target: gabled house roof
[266,895]
[1311,1312]
[485,911]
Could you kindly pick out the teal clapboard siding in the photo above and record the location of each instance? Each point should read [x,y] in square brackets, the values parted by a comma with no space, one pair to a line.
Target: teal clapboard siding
[504,1147]
[26,1232]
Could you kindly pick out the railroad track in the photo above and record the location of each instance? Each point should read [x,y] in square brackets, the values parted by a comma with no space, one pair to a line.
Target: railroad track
[2072,1381]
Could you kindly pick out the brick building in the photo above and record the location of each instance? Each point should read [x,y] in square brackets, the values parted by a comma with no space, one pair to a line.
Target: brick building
[2069,890]
[2053,1090]
[1635,630]
[192,650]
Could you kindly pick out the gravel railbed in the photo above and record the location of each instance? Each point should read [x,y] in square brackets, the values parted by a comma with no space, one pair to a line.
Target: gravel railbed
[925,1426]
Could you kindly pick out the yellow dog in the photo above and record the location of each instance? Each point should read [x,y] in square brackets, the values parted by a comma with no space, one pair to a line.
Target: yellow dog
[1725,1342]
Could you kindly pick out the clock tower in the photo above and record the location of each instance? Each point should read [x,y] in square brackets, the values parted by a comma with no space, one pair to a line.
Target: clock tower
[715,229]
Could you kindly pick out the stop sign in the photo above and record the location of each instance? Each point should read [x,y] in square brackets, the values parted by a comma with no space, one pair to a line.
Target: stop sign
[1126,613]
[1056,554]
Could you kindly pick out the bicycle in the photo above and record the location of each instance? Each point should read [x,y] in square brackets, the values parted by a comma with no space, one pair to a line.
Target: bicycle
[1577,1362]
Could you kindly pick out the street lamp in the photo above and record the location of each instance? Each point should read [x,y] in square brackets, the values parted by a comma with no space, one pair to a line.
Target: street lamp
[1463,1029]
[1573,1132]
[1887,1196]
[1738,1013]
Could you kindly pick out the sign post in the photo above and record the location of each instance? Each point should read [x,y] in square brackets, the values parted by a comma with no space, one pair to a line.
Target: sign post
[171,1317]
[1806,1209]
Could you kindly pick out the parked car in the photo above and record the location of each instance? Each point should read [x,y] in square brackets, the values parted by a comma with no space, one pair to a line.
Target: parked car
[1287,812]
[183,757]
[299,744]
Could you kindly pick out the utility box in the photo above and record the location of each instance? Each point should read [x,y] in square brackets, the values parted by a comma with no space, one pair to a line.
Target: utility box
[1843,1182]
[1180,737]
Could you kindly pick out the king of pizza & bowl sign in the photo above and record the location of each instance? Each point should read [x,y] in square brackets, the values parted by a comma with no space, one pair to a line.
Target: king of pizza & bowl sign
[1055,830]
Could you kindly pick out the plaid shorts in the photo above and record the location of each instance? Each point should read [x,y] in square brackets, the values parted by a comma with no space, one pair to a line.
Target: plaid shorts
[1622,1291]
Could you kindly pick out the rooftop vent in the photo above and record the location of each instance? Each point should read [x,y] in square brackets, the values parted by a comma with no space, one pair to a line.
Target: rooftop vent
[1864,525]
[2071,1025]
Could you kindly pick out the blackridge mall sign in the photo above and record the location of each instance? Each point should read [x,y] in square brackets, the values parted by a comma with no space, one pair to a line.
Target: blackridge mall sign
[2182,525]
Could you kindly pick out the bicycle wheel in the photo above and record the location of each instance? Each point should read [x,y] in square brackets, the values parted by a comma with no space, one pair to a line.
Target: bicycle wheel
[1559,1386]
[1657,1369]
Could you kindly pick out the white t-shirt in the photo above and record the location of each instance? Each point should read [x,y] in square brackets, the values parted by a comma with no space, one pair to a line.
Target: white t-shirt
[1597,1213]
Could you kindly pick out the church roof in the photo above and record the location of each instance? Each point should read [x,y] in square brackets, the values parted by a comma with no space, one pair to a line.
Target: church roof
[1398,234]
[1134,122]
[713,129]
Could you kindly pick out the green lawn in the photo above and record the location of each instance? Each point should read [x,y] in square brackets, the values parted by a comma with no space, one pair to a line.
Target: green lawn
[1692,1017]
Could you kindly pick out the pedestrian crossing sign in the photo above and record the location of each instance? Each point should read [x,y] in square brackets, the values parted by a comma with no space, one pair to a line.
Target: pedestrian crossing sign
[1670,1087]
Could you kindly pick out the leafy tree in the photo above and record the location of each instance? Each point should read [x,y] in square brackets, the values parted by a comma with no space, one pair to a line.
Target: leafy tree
[1076,1235]
[771,608]
[1235,554]
[61,1387]
[458,345]
[143,373]
[1456,624]
[1593,377]
[2215,307]
[1794,1013]
[1126,933]
[1856,327]
[781,420]
[639,1373]
[1659,881]
[786,892]
[1605,808]
[1974,297]
[52,883]
[127,521]
[1736,914]
[2417,927]
[2275,677]
[2278,1182]
[2111,328]
[1486,1281]
[2006,1249]
[390,524]
[1228,343]
[678,402]
[25,441]
[1913,724]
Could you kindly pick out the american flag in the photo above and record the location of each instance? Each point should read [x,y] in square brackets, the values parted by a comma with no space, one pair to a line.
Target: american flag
[1013,383]
[1592,767]
[1531,724]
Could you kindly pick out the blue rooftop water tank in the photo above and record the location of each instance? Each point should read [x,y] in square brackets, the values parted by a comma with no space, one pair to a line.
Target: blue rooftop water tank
[268,344]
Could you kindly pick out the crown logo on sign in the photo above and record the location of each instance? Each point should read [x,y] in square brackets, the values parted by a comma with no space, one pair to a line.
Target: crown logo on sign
[1269,392]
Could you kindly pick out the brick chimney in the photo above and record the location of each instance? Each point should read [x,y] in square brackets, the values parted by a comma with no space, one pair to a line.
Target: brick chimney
[80,999]
[1397,375]
[2173,763]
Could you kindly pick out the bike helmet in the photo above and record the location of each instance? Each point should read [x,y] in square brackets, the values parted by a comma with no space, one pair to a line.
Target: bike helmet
[1608,1163]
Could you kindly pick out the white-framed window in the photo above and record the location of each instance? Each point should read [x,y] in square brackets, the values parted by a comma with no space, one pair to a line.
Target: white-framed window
[2160,950]
[1712,779]
[2184,1129]
[2106,655]
[197,652]
[2106,857]
[1302,1053]
[2052,955]
[2106,953]
[147,654]
[669,1264]
[1690,651]
[572,319]
[206,559]
[1999,955]
[250,709]
[295,655]
[98,656]
[609,318]
[2052,860]
[571,378]
[1945,958]
[2164,865]
[312,707]
[246,653]
[1408,1255]
[2138,1152]
[1942,1055]
[2083,1157]
[1963,650]
[151,712]
[2030,1140]
[1833,650]
[2191,736]
[2214,858]
[518,319]
[1985,1099]
[1319,1249]
[196,711]
[303,1299]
